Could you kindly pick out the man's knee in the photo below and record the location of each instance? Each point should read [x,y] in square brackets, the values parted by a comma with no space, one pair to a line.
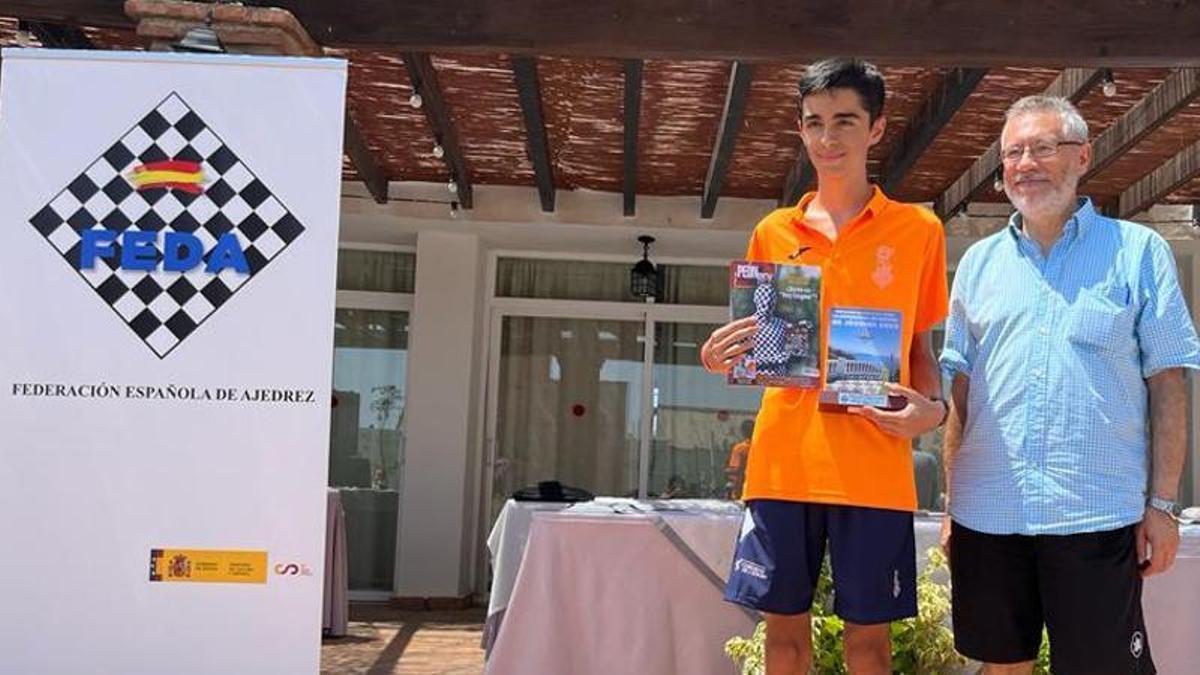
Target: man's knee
[868,648]
[789,632]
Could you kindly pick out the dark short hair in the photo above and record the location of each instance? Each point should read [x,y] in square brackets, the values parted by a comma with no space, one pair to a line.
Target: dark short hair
[747,427]
[846,73]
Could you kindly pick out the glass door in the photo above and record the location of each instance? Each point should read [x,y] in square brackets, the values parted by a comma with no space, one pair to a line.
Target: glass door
[567,405]
[366,447]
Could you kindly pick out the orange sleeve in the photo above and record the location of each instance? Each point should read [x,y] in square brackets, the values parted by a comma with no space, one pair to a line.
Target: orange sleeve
[933,302]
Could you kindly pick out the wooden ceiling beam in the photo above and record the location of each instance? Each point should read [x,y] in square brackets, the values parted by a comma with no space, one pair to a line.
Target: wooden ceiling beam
[923,129]
[364,163]
[1161,182]
[967,33]
[529,93]
[1178,90]
[57,36]
[633,114]
[740,76]
[437,113]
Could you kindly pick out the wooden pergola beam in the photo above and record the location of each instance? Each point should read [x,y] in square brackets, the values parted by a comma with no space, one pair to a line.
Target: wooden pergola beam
[58,36]
[949,96]
[364,164]
[740,76]
[1164,180]
[633,114]
[965,33]
[529,93]
[1179,89]
[1072,83]
[433,103]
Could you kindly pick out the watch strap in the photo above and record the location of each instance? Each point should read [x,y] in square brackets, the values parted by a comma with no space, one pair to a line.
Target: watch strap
[1165,505]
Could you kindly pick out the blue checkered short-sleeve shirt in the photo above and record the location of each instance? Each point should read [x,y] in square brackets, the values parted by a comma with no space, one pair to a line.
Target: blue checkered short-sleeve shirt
[1057,349]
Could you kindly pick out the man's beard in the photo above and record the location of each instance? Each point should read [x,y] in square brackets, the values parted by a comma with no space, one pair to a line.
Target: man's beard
[1060,200]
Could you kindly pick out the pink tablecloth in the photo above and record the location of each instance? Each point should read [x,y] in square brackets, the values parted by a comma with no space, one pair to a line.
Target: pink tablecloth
[608,595]
[1172,606]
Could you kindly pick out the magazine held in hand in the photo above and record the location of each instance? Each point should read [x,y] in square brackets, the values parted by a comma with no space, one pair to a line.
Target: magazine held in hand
[863,352]
[862,357]
[786,300]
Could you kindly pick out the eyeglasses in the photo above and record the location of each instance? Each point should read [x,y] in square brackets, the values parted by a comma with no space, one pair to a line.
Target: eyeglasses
[1038,150]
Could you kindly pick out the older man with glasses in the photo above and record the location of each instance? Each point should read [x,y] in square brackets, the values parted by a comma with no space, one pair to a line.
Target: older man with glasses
[1067,342]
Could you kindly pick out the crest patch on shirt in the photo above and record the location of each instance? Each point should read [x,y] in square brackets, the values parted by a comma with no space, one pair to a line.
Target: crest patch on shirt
[883,274]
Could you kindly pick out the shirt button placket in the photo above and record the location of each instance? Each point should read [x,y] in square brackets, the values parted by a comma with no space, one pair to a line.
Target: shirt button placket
[1054,263]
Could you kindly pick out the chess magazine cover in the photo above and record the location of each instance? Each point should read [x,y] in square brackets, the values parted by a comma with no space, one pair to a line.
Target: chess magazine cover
[786,301]
[864,354]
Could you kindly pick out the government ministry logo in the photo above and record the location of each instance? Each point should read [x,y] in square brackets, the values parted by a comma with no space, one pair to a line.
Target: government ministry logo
[167,225]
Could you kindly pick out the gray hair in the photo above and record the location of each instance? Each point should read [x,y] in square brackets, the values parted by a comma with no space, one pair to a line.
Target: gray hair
[1074,128]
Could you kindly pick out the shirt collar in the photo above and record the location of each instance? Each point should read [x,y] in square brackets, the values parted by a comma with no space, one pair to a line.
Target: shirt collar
[874,206]
[1076,226]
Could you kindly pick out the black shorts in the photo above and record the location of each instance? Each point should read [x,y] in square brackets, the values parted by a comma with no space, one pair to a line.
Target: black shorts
[871,553]
[1085,588]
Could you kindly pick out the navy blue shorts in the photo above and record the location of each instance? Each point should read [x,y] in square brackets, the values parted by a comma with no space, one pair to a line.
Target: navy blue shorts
[781,545]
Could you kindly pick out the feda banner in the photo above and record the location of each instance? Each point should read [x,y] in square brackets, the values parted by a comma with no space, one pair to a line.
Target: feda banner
[168,234]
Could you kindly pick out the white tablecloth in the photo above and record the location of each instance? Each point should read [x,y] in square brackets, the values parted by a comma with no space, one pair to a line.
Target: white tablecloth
[608,559]
[335,605]
[607,593]
[1171,602]
[706,527]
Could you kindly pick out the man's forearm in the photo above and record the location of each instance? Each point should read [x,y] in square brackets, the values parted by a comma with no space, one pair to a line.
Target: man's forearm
[926,377]
[956,421]
[1168,431]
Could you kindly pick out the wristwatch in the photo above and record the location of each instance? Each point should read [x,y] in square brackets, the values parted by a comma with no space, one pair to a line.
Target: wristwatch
[1165,505]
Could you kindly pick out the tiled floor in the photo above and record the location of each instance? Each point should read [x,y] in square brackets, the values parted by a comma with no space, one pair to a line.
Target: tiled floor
[384,641]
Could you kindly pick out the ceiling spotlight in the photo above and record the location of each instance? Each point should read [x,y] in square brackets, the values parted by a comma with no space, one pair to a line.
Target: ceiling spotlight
[415,100]
[452,186]
[1110,84]
[439,151]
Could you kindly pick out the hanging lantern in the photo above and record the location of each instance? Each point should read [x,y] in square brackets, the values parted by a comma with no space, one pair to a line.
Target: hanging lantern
[643,278]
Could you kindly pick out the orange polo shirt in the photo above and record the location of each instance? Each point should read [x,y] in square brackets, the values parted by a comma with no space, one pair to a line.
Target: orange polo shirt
[891,256]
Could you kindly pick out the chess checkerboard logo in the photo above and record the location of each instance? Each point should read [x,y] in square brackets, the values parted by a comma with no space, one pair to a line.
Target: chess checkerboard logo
[167,225]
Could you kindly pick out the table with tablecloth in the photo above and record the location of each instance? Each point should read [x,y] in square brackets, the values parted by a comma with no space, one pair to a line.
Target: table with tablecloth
[335,604]
[617,586]
[595,576]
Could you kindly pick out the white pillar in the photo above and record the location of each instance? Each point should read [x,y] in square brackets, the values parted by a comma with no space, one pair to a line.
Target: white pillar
[437,501]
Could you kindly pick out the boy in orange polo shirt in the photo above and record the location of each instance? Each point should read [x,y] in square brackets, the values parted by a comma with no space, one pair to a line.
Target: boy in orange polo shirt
[840,478]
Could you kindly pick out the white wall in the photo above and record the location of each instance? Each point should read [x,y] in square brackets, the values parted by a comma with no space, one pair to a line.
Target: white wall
[436,502]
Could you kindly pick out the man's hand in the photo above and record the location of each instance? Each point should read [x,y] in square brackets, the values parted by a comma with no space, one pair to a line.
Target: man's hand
[727,344]
[944,539]
[920,414]
[1160,532]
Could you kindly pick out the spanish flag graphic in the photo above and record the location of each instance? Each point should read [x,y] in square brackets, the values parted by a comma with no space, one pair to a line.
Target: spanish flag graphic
[173,174]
